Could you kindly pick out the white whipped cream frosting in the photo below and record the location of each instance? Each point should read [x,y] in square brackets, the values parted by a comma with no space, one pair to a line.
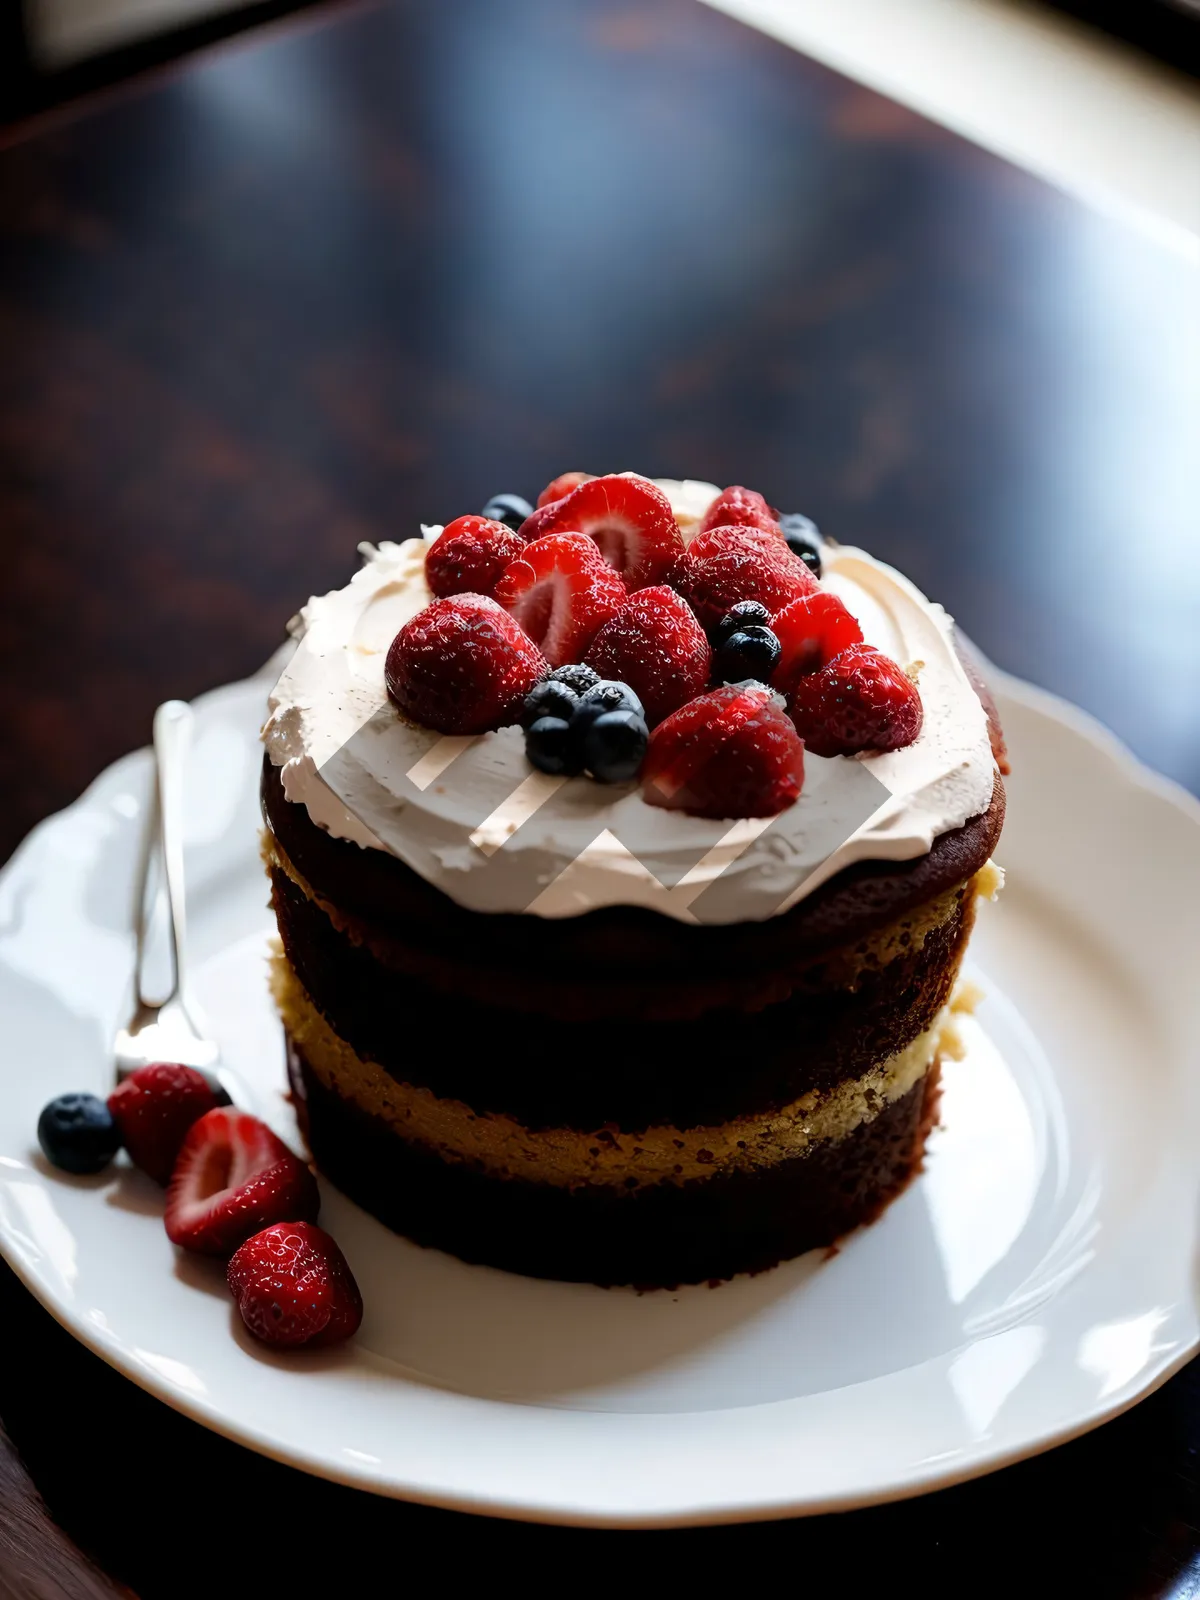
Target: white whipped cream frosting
[334,684]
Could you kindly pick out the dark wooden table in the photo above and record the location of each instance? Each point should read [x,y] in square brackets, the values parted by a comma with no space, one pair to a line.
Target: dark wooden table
[378,264]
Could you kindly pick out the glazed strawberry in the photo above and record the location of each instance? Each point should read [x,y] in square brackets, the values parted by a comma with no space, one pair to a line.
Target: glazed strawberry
[861,700]
[293,1286]
[562,592]
[656,646]
[726,565]
[469,555]
[463,665]
[560,486]
[729,753]
[628,517]
[736,507]
[154,1108]
[811,631]
[233,1177]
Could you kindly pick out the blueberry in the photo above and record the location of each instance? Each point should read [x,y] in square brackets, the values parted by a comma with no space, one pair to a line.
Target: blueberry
[551,746]
[576,676]
[614,745]
[749,653]
[549,698]
[746,614]
[509,509]
[77,1133]
[803,539]
[605,695]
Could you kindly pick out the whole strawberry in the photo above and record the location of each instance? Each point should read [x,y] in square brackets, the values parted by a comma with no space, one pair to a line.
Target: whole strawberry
[861,700]
[469,555]
[729,753]
[293,1286]
[811,631]
[558,487]
[656,646]
[737,507]
[727,565]
[154,1108]
[462,665]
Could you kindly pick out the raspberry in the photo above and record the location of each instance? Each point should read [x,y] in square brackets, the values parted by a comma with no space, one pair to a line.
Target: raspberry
[736,507]
[861,700]
[560,486]
[462,665]
[293,1286]
[561,591]
[726,565]
[629,518]
[469,555]
[656,646]
[811,631]
[729,753]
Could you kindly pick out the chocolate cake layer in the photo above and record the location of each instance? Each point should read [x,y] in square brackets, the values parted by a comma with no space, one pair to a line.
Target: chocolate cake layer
[704,1229]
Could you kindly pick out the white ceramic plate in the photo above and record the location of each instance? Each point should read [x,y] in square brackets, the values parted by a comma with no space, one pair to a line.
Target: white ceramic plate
[1040,1276]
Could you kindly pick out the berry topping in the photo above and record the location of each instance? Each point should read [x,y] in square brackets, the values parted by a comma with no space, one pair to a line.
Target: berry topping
[748,653]
[550,698]
[726,565]
[576,676]
[861,700]
[552,747]
[811,631]
[154,1108]
[510,509]
[561,592]
[562,485]
[469,555]
[630,520]
[736,507]
[607,695]
[614,745]
[803,539]
[729,753]
[293,1286]
[77,1133]
[463,665]
[233,1177]
[656,646]
[746,614]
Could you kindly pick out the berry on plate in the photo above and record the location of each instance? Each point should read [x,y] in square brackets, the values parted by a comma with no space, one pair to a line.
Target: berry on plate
[726,565]
[469,555]
[510,509]
[154,1108]
[560,486]
[293,1286]
[748,653]
[655,645]
[233,1177]
[811,631]
[730,753]
[861,700]
[629,518]
[78,1133]
[463,665]
[803,539]
[736,507]
[561,592]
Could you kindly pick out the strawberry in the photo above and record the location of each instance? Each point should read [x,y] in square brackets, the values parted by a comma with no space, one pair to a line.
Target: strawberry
[630,519]
[462,665]
[861,700]
[154,1108]
[725,565]
[233,1177]
[293,1286]
[562,592]
[562,485]
[656,646]
[811,631]
[469,555]
[729,753]
[741,508]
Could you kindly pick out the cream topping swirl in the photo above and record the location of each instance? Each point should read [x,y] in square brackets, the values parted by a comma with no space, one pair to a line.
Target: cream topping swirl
[361,777]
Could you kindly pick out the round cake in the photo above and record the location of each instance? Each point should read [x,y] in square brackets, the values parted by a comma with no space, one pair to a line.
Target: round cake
[641,980]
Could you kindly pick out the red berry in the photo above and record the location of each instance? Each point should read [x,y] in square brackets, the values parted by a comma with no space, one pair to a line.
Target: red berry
[462,665]
[741,508]
[560,486]
[729,753]
[561,592]
[861,700]
[293,1286]
[656,646]
[469,555]
[811,631]
[154,1108]
[233,1177]
[629,518]
[726,565]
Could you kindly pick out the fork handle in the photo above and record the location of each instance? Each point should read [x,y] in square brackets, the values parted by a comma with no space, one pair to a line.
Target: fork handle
[172,737]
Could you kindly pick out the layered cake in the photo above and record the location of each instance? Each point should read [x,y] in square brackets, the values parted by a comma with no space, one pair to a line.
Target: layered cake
[624,852]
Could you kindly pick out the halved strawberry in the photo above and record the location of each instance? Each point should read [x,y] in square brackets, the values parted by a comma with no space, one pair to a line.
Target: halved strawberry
[811,631]
[562,485]
[736,507]
[233,1177]
[154,1108]
[726,565]
[861,700]
[656,646]
[293,1286]
[729,753]
[561,591]
[629,518]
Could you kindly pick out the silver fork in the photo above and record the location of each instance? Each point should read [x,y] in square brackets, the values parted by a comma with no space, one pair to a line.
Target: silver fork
[171,1029]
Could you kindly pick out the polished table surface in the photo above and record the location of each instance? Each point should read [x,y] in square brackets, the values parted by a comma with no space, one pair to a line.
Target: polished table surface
[375,265]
